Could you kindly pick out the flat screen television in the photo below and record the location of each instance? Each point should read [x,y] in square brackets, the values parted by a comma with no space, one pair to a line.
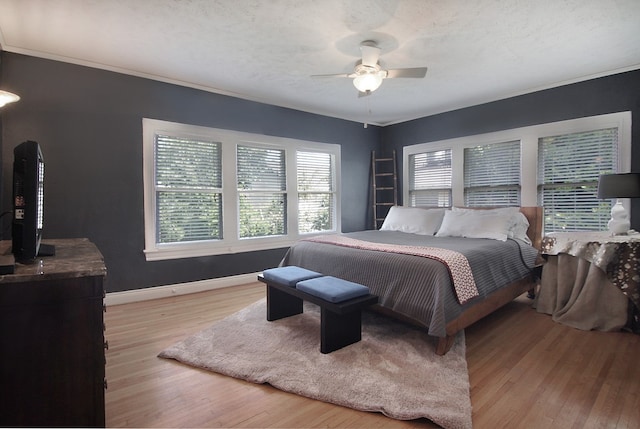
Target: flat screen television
[28,203]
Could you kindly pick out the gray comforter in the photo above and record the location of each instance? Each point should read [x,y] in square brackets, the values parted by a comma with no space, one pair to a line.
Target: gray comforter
[415,287]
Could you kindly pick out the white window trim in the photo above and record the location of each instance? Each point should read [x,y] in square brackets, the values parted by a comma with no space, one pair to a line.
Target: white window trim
[231,243]
[528,137]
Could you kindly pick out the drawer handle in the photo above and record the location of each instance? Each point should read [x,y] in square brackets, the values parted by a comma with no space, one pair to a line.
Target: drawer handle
[106,345]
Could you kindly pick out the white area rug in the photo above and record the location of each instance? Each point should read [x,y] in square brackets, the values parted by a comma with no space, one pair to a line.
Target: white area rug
[394,369]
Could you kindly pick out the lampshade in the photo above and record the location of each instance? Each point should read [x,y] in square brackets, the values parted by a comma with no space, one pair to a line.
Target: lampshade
[7,97]
[625,185]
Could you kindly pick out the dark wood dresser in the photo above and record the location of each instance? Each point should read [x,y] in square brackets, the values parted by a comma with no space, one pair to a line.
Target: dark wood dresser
[52,361]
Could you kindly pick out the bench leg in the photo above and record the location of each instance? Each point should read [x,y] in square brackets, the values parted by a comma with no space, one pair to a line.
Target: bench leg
[281,304]
[339,330]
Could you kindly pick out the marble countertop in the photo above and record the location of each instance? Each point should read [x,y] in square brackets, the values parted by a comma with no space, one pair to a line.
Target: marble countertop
[74,257]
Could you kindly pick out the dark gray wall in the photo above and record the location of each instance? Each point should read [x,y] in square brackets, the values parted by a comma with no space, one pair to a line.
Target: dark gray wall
[616,93]
[89,125]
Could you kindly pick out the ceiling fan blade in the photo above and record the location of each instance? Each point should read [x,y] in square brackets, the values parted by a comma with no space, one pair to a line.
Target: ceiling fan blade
[418,72]
[370,54]
[332,75]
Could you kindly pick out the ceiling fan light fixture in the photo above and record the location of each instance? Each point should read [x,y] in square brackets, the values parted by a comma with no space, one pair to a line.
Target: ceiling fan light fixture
[7,97]
[369,74]
[369,81]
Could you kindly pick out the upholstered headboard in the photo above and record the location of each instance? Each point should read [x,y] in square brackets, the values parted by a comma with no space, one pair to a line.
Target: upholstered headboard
[535,216]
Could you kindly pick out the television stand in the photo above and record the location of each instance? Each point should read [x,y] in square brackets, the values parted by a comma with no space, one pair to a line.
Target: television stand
[46,250]
[52,344]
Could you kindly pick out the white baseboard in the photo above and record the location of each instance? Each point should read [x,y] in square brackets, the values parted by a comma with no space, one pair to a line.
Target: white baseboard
[128,296]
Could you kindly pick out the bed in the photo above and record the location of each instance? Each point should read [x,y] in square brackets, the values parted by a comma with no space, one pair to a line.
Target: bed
[438,269]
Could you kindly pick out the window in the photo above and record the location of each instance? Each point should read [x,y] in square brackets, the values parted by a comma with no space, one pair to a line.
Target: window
[209,191]
[555,165]
[568,178]
[262,192]
[492,175]
[188,189]
[316,192]
[430,179]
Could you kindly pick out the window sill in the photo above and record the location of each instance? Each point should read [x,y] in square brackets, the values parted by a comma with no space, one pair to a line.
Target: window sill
[195,250]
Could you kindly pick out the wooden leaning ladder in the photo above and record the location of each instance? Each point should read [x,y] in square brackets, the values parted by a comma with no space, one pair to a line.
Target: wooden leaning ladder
[384,186]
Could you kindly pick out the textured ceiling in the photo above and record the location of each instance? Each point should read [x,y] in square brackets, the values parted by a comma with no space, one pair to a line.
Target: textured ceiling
[265,50]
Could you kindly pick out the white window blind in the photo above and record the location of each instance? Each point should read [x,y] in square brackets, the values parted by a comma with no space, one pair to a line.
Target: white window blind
[188,188]
[262,198]
[568,169]
[430,179]
[492,175]
[316,192]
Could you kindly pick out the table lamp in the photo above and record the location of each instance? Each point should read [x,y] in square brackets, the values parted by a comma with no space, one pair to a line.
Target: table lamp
[625,185]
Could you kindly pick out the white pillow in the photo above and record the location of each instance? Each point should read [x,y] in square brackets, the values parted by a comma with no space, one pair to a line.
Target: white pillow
[496,226]
[519,228]
[452,224]
[519,223]
[413,220]
[475,224]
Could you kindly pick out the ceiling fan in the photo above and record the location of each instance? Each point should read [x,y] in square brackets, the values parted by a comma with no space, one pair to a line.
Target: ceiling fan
[368,75]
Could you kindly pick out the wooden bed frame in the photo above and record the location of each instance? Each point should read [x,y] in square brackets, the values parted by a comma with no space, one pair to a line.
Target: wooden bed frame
[494,301]
[500,297]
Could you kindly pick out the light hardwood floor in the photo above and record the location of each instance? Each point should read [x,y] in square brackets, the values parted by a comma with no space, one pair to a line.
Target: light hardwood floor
[525,372]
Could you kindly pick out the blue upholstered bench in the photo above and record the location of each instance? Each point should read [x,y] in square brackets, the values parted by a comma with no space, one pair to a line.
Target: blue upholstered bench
[289,275]
[332,289]
[340,301]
